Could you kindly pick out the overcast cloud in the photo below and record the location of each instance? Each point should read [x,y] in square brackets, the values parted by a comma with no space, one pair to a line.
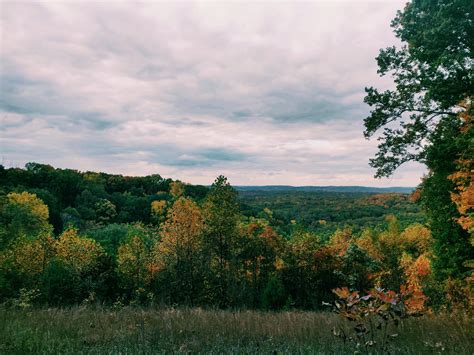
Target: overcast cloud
[267,93]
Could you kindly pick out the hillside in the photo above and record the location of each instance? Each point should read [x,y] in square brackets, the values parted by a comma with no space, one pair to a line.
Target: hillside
[324,212]
[286,188]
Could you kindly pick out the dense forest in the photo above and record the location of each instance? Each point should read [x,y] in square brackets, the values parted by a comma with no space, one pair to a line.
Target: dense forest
[68,237]
[323,212]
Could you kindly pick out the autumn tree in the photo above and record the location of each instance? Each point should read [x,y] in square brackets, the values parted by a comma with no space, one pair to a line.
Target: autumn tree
[423,114]
[260,256]
[81,254]
[22,214]
[158,211]
[135,266]
[463,177]
[451,242]
[30,257]
[23,263]
[308,270]
[74,269]
[176,189]
[178,255]
[402,256]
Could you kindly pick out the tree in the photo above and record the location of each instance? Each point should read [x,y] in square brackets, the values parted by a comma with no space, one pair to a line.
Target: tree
[423,116]
[158,211]
[177,189]
[221,214]
[73,270]
[22,264]
[30,257]
[178,253]
[22,214]
[110,237]
[309,270]
[451,242]
[463,194]
[134,260]
[54,210]
[260,247]
[79,253]
[433,76]
[105,211]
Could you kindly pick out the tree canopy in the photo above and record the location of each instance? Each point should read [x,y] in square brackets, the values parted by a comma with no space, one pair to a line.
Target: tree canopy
[433,77]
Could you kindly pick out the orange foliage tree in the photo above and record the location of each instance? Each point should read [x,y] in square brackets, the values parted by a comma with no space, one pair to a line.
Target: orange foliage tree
[463,178]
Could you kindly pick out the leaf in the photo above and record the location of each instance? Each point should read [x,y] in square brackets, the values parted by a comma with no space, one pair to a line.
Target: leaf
[342,292]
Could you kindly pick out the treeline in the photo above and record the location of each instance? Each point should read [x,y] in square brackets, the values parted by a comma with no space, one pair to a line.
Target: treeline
[86,199]
[197,250]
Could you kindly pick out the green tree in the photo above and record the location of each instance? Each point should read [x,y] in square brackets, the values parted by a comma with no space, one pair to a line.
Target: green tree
[451,242]
[303,259]
[423,115]
[274,295]
[221,214]
[105,211]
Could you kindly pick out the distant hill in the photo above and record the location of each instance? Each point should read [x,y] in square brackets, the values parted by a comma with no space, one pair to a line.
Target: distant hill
[368,189]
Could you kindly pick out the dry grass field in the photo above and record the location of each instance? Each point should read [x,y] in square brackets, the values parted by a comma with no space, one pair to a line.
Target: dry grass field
[100,330]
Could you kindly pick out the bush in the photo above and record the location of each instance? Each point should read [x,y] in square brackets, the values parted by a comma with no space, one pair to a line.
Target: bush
[274,295]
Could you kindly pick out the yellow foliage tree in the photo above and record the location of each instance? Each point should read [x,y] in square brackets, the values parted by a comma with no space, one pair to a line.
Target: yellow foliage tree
[403,256]
[23,214]
[134,263]
[27,257]
[367,242]
[177,189]
[416,238]
[463,196]
[158,211]
[340,242]
[79,253]
[181,233]
[179,251]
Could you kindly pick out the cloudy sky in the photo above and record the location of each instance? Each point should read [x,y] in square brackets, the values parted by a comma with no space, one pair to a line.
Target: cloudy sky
[264,93]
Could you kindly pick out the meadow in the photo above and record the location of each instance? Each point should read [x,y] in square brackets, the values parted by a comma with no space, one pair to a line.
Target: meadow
[135,330]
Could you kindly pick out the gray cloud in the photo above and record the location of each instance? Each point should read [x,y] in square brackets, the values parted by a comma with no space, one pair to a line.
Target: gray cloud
[264,93]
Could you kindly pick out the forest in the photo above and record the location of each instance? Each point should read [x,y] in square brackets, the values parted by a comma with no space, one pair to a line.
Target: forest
[92,262]
[323,212]
[72,235]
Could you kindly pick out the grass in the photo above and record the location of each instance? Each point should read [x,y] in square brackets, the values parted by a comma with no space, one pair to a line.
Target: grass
[100,330]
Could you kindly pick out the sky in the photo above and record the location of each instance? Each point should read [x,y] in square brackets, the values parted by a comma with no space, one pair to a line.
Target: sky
[267,93]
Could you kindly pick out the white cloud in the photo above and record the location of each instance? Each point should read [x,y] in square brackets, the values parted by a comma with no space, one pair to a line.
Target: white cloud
[264,93]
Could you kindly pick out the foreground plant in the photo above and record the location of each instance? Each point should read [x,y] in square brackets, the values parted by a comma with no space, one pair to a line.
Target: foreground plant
[376,316]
